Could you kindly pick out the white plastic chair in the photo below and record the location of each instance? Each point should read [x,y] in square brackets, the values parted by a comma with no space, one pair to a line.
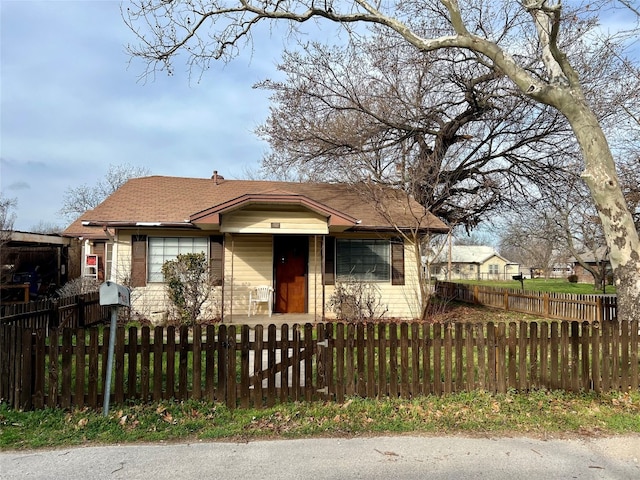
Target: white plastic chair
[260,294]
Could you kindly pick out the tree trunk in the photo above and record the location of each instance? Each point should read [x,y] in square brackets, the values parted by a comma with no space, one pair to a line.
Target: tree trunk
[617,221]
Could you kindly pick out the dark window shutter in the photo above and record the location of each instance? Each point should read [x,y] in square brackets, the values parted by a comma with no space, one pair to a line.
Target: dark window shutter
[216,259]
[397,262]
[329,260]
[138,260]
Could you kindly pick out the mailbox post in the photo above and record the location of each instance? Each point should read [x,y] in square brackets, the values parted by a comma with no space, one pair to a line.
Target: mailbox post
[519,278]
[115,296]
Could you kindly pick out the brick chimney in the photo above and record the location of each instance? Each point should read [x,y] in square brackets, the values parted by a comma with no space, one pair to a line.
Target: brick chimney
[217,179]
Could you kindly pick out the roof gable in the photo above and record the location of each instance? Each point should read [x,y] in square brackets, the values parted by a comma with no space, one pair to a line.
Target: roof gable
[275,199]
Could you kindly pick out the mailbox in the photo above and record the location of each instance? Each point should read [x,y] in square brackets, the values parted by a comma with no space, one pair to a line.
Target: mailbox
[114,295]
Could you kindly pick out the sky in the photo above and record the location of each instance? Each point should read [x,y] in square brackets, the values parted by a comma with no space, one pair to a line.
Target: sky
[72,104]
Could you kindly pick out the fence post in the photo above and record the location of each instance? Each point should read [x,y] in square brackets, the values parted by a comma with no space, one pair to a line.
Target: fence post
[222,362]
[54,314]
[230,354]
[506,301]
[80,305]
[545,303]
[26,373]
[322,345]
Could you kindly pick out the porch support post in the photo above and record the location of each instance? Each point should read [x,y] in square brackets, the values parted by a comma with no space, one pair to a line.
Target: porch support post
[232,277]
[323,264]
[315,278]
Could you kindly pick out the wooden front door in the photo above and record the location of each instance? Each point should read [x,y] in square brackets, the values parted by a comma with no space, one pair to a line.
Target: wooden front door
[290,265]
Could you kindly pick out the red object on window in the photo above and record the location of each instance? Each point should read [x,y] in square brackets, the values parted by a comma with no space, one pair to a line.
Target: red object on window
[92,260]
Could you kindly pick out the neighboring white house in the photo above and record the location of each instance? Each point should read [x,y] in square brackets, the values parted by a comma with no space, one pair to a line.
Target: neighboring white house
[472,262]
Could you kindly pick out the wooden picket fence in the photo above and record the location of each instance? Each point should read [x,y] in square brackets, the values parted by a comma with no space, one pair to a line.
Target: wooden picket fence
[245,368]
[560,306]
[74,311]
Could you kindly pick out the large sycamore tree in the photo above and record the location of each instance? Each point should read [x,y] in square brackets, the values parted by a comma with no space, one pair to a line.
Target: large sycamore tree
[217,30]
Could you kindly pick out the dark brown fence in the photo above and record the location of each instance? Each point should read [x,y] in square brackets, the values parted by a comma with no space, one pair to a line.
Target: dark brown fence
[74,311]
[243,367]
[560,306]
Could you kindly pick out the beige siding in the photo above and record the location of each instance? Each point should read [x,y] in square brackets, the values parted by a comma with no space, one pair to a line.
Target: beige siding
[150,302]
[484,268]
[314,276]
[401,301]
[459,271]
[248,262]
[259,221]
[511,268]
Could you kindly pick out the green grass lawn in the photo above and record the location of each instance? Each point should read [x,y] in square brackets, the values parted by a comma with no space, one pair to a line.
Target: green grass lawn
[536,413]
[556,285]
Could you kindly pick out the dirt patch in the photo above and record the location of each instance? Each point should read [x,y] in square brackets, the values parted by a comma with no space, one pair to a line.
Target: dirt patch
[457,312]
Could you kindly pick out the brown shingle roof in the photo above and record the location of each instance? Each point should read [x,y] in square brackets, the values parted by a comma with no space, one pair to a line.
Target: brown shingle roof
[176,199]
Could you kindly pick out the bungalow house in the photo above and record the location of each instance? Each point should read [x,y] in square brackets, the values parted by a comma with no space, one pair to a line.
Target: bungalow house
[473,262]
[297,238]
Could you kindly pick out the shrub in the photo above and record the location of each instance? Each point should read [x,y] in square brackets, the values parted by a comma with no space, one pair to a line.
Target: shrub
[78,286]
[356,301]
[573,278]
[188,285]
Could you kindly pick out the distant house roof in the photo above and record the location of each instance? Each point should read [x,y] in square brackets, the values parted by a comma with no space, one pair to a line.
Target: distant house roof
[469,254]
[600,254]
[172,202]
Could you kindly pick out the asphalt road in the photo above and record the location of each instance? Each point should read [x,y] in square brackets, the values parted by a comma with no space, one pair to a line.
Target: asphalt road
[401,457]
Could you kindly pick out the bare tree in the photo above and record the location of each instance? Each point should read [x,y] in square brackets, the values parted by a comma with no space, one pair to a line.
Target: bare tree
[579,228]
[474,238]
[46,228]
[560,225]
[78,200]
[7,217]
[533,57]
[451,131]
[531,239]
[630,181]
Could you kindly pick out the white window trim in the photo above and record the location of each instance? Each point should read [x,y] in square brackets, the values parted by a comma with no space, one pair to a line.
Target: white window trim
[154,276]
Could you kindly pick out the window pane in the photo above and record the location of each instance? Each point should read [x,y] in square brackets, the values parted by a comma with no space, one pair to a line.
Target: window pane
[363,259]
[162,249]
